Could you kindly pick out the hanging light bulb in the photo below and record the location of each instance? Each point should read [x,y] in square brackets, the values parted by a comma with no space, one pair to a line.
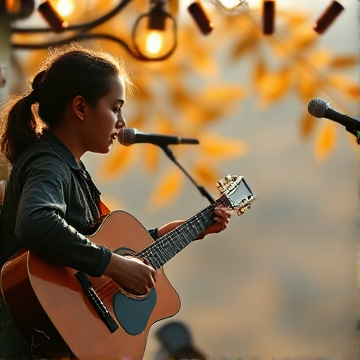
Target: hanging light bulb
[52,17]
[231,7]
[71,9]
[154,33]
[19,9]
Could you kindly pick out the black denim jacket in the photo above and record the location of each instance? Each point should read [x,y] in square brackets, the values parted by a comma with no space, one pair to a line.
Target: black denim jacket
[50,206]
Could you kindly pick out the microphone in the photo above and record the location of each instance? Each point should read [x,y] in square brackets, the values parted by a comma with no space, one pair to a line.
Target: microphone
[128,136]
[320,108]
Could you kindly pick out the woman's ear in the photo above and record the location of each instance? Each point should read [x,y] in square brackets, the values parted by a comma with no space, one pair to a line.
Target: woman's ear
[79,106]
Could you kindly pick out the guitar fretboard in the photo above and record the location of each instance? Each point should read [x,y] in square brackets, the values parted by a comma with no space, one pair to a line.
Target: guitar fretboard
[166,247]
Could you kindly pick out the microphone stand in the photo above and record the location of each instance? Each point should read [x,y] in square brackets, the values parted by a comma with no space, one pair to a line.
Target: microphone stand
[202,190]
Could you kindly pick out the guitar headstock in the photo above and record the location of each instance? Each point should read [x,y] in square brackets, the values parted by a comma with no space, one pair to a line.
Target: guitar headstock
[237,192]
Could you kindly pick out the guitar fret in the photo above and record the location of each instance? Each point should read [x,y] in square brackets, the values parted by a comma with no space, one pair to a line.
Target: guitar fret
[166,247]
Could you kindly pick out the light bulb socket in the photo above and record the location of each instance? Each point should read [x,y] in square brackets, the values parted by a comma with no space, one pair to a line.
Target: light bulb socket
[52,17]
[200,17]
[328,17]
[268,17]
[157,18]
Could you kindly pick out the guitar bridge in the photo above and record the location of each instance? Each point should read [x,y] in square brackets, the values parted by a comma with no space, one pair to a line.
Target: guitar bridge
[96,301]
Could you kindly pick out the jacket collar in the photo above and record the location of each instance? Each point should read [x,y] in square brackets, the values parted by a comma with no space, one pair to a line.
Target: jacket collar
[59,147]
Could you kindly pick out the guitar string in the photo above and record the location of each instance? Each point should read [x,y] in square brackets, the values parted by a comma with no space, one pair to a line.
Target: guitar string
[159,258]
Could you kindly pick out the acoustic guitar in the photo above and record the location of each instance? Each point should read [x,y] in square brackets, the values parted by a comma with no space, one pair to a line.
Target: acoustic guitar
[66,314]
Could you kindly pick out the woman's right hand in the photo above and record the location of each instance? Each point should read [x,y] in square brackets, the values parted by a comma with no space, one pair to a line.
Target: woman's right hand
[131,274]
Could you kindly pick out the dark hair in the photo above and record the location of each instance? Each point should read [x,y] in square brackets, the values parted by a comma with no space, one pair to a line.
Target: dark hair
[68,71]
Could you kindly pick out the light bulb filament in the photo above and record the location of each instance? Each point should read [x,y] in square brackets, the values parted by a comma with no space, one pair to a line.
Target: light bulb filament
[154,41]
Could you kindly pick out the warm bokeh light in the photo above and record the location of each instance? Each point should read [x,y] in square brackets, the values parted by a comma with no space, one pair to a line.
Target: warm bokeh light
[65,7]
[154,42]
[13,6]
[72,9]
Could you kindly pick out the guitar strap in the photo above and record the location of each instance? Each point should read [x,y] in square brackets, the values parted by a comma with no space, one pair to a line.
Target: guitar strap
[104,211]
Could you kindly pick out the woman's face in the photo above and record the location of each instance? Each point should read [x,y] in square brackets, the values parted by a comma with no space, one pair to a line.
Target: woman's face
[102,123]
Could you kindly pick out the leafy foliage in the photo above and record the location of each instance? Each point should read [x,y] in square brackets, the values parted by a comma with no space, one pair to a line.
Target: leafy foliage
[187,95]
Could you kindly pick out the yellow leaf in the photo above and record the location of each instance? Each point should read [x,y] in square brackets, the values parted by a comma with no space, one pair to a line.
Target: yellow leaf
[180,96]
[222,94]
[353,92]
[326,141]
[259,71]
[200,116]
[273,85]
[307,124]
[293,18]
[196,50]
[308,87]
[301,38]
[218,147]
[319,59]
[205,174]
[344,61]
[167,190]
[136,121]
[245,44]
[164,125]
[205,64]
[345,84]
[119,159]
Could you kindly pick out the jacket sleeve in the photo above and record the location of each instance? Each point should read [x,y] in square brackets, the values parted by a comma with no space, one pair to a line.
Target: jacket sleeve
[40,222]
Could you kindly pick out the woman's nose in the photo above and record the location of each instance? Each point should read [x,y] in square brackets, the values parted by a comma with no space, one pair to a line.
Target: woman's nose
[120,122]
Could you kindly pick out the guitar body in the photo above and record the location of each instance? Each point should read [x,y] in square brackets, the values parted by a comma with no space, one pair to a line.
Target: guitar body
[54,314]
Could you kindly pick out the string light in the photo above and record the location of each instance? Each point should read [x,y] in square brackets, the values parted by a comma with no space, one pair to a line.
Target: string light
[268,17]
[52,17]
[328,17]
[200,17]
[154,35]
[19,9]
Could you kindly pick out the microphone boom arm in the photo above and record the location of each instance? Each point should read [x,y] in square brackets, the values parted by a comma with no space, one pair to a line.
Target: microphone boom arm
[202,190]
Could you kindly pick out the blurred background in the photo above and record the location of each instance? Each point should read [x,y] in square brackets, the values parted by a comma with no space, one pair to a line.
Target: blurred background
[282,280]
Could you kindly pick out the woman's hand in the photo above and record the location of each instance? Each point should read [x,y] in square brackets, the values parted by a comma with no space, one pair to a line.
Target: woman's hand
[131,274]
[221,218]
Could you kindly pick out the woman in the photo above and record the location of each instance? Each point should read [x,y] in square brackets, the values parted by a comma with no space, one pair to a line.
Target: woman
[51,204]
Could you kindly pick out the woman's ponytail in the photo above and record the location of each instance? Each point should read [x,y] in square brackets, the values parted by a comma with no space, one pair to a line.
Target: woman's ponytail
[20,127]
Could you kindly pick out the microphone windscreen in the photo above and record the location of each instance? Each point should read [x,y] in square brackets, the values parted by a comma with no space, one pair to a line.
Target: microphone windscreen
[126,136]
[318,107]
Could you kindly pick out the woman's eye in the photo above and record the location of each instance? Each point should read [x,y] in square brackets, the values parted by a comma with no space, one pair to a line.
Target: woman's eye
[117,110]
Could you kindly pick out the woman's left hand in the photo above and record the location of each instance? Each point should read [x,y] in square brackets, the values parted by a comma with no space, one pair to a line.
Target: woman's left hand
[221,218]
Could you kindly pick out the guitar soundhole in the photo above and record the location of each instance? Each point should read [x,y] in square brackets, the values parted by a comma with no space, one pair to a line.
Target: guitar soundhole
[125,252]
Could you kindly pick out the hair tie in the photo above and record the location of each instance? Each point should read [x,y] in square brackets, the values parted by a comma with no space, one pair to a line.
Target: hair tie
[35,95]
[36,84]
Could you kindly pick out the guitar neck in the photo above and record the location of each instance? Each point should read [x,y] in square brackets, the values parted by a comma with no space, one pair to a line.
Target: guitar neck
[166,247]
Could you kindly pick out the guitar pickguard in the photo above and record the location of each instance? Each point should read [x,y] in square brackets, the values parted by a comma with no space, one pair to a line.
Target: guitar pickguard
[133,314]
